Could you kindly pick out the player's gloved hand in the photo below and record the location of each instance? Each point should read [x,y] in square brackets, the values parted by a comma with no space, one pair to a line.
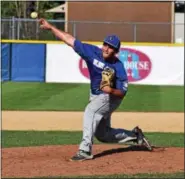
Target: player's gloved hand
[107,77]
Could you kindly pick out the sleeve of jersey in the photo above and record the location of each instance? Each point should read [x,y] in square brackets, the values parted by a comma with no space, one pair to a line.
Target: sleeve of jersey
[122,81]
[86,51]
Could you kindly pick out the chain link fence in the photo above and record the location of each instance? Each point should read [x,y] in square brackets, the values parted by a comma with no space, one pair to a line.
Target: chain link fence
[28,29]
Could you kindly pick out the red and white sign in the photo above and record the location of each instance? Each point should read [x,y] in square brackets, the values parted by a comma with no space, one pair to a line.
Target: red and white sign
[137,64]
[148,65]
[83,68]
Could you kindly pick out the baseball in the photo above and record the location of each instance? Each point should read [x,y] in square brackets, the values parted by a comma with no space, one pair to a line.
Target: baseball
[34,15]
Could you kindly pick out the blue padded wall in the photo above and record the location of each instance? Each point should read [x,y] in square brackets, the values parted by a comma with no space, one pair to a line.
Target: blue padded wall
[5,61]
[28,62]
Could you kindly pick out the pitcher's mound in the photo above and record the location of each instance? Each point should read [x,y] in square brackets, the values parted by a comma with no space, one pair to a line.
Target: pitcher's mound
[108,159]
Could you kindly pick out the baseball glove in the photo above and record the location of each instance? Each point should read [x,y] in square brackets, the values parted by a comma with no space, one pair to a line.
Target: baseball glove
[107,77]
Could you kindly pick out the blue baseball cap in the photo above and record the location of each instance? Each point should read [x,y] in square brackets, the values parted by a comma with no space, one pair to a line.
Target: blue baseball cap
[113,41]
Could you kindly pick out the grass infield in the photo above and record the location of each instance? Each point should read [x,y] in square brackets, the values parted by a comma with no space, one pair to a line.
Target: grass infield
[40,138]
[144,175]
[74,97]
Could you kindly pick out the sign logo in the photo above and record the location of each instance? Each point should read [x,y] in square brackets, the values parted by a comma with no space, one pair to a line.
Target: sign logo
[137,64]
[83,68]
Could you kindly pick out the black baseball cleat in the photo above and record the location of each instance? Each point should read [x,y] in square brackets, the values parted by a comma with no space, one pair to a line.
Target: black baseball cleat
[141,139]
[81,156]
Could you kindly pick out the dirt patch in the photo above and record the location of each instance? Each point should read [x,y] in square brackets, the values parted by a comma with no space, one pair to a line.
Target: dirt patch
[109,159]
[149,122]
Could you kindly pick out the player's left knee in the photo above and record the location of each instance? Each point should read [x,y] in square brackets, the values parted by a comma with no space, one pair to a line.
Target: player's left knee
[101,138]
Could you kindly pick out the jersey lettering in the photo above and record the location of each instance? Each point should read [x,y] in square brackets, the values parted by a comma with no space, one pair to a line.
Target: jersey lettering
[98,64]
[125,86]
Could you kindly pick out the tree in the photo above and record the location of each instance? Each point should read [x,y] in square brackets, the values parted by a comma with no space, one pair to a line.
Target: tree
[23,9]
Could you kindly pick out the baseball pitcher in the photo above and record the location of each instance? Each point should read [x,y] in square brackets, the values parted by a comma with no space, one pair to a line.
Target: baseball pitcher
[109,85]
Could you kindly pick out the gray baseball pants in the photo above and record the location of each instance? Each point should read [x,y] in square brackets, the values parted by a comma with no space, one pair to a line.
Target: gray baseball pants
[97,122]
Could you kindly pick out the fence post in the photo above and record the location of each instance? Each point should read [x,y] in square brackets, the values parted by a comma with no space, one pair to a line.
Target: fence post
[18,29]
[135,32]
[10,29]
[13,27]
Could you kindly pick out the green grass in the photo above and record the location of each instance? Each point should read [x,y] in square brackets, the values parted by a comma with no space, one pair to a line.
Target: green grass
[74,97]
[144,175]
[40,138]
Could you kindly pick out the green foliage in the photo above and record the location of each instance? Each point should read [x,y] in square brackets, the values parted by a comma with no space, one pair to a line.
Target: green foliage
[28,30]
[20,8]
[45,5]
[7,9]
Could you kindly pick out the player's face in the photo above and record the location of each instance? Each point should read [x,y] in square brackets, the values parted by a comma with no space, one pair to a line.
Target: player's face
[108,51]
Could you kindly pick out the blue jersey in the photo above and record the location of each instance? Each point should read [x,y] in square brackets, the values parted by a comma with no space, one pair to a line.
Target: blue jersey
[96,63]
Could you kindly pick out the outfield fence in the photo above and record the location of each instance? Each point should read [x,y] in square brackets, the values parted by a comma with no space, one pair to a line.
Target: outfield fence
[52,62]
[28,29]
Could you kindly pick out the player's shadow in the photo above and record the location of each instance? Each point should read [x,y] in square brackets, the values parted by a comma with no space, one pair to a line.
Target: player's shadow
[119,150]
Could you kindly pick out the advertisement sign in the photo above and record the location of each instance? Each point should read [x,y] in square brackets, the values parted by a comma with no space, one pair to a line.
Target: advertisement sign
[150,65]
[137,64]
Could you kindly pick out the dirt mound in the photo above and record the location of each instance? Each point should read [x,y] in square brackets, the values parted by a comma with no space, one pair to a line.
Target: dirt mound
[108,159]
